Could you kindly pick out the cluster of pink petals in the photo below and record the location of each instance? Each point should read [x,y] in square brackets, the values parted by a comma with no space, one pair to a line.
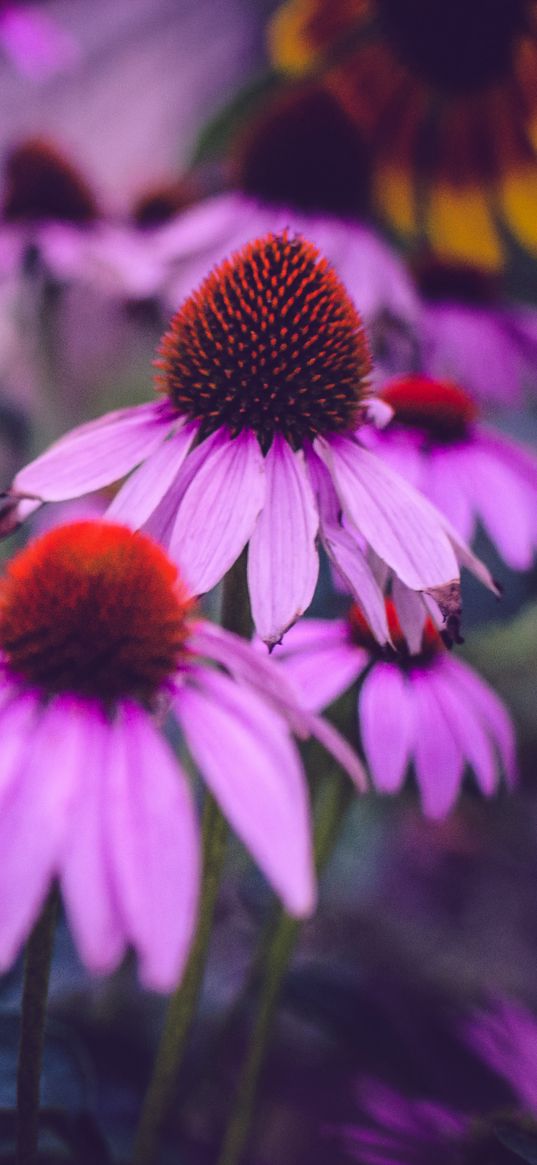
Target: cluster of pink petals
[103,805]
[437,714]
[483,477]
[204,504]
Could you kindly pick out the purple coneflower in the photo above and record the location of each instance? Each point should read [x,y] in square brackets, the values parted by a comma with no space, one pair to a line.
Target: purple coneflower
[262,376]
[97,635]
[424,708]
[470,472]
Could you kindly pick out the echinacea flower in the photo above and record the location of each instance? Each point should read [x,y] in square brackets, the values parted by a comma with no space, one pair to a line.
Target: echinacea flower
[99,638]
[446,95]
[469,471]
[263,384]
[423,708]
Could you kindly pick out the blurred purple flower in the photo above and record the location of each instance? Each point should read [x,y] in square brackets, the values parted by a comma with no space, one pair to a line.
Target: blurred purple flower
[399,1129]
[425,708]
[460,314]
[35,43]
[471,473]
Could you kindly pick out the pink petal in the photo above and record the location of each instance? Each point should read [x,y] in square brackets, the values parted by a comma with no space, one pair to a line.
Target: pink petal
[86,876]
[253,768]
[96,454]
[35,816]
[399,524]
[506,503]
[346,556]
[353,567]
[492,711]
[411,613]
[254,668]
[439,760]
[282,560]
[445,486]
[340,749]
[386,719]
[262,675]
[218,511]
[143,491]
[322,671]
[466,726]
[153,843]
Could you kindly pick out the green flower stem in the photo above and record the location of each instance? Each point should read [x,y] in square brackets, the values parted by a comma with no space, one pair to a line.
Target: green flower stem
[32,1037]
[332,799]
[183,1003]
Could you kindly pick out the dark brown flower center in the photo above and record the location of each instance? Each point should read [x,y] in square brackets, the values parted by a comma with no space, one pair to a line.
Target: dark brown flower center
[95,610]
[270,342]
[442,412]
[459,46]
[40,184]
[456,282]
[304,152]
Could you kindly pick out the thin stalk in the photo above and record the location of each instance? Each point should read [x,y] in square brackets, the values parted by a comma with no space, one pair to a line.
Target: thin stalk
[277,948]
[183,1003]
[32,1037]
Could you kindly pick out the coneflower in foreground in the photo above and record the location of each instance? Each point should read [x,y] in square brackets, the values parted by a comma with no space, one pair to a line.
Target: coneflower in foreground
[263,375]
[98,634]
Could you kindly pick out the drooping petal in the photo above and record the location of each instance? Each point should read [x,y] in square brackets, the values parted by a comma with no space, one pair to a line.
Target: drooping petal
[387,725]
[153,843]
[446,488]
[347,556]
[283,562]
[493,712]
[255,669]
[95,454]
[466,725]
[253,768]
[35,813]
[506,502]
[143,491]
[438,757]
[218,510]
[400,525]
[338,747]
[325,667]
[273,684]
[411,612]
[86,874]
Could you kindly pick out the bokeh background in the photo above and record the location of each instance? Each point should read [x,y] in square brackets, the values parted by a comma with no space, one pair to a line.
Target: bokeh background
[120,122]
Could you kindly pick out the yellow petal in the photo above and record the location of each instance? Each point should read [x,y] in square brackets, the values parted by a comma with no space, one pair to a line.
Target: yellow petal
[288,48]
[460,226]
[518,206]
[394,198]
